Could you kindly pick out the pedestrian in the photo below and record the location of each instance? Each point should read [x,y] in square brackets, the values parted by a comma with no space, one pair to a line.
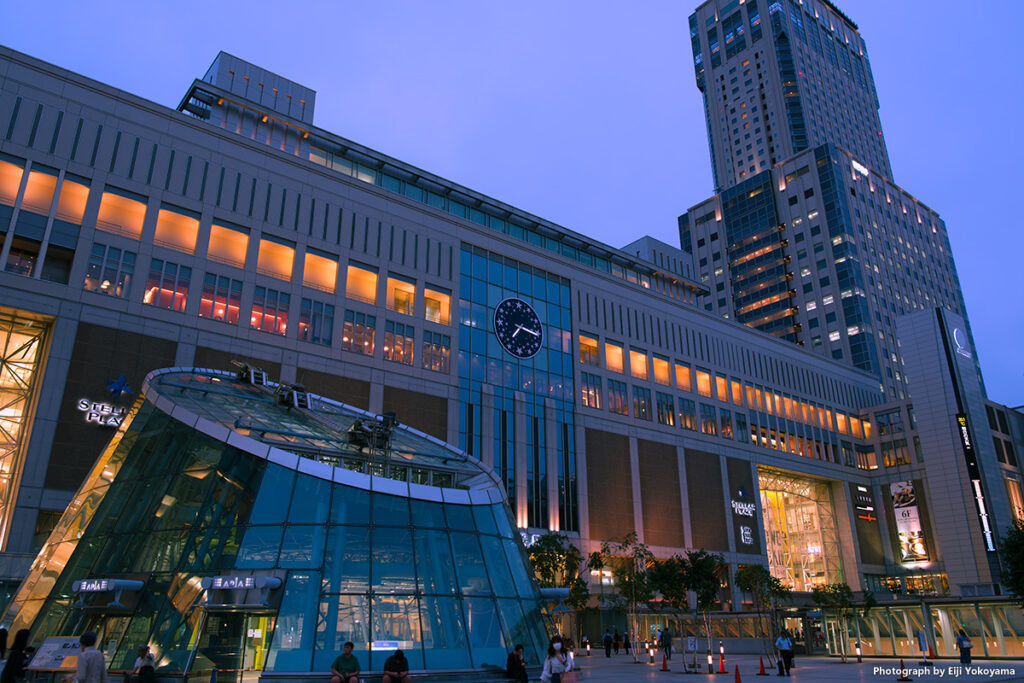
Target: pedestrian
[345,668]
[964,644]
[616,641]
[607,640]
[396,669]
[555,664]
[515,666]
[17,659]
[666,644]
[92,667]
[625,643]
[785,646]
[144,670]
[3,642]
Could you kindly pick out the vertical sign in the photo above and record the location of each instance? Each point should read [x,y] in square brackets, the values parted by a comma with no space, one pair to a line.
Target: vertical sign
[975,474]
[908,522]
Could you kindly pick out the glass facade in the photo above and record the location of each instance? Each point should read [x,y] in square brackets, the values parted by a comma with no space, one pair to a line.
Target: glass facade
[176,508]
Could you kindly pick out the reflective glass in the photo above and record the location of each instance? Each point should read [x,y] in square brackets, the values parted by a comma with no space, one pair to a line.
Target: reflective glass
[397,618]
[497,567]
[427,514]
[350,506]
[393,568]
[460,517]
[292,644]
[272,500]
[486,640]
[444,633]
[390,510]
[517,562]
[302,547]
[348,560]
[434,566]
[342,618]
[259,547]
[484,519]
[514,624]
[469,561]
[311,501]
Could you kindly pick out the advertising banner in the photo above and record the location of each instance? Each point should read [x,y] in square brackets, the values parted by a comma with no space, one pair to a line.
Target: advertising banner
[908,522]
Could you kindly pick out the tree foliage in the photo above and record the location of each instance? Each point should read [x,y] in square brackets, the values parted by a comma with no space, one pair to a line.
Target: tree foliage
[630,562]
[701,573]
[1011,551]
[838,598]
[767,591]
[668,578]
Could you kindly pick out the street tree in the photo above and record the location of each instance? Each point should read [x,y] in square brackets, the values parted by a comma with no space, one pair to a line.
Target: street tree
[767,591]
[1011,551]
[702,575]
[630,561]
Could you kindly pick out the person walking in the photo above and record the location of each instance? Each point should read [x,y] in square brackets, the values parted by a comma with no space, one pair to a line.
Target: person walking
[92,667]
[616,641]
[784,644]
[666,643]
[625,643]
[17,658]
[555,664]
[964,644]
[607,643]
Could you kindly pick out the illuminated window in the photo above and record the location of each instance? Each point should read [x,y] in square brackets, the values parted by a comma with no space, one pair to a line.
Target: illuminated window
[110,270]
[661,371]
[841,423]
[437,304]
[221,299]
[722,386]
[727,431]
[588,351]
[270,311]
[10,181]
[176,230]
[751,397]
[74,192]
[167,286]
[399,340]
[39,192]
[316,322]
[737,393]
[855,428]
[638,364]
[666,409]
[708,420]
[642,403]
[437,351]
[688,414]
[401,295]
[684,379]
[121,212]
[590,390]
[703,383]
[1013,492]
[613,357]
[228,244]
[361,283]
[358,333]
[618,401]
[275,258]
[320,271]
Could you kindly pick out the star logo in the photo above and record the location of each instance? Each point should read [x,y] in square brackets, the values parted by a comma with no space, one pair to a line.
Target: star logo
[742,493]
[118,386]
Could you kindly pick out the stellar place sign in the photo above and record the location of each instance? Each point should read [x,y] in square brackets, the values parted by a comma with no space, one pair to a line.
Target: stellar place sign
[102,414]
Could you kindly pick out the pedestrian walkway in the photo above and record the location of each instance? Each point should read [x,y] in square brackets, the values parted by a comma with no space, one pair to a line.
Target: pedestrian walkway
[598,669]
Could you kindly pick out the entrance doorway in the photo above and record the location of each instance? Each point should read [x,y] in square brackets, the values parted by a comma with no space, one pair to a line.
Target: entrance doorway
[235,644]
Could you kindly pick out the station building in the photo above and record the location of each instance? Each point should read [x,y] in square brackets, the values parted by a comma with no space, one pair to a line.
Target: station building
[605,400]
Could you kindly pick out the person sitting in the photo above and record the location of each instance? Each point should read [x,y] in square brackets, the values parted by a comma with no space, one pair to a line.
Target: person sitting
[515,667]
[396,669]
[345,668]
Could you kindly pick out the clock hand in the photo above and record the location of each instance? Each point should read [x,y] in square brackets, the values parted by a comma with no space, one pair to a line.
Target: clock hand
[518,327]
[528,330]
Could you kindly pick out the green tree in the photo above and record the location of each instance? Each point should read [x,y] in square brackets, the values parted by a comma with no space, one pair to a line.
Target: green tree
[668,578]
[838,598]
[702,575]
[767,592]
[631,562]
[557,563]
[1011,551]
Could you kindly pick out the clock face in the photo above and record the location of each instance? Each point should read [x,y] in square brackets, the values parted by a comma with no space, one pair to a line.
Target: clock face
[518,328]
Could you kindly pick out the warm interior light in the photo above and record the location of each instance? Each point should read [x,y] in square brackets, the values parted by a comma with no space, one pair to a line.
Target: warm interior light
[228,245]
[39,192]
[121,215]
[661,373]
[275,259]
[401,296]
[320,272]
[638,364]
[177,231]
[613,357]
[683,377]
[437,305]
[361,284]
[71,204]
[10,180]
[703,383]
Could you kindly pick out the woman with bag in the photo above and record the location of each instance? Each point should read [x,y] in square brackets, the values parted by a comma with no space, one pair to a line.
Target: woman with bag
[964,644]
[555,665]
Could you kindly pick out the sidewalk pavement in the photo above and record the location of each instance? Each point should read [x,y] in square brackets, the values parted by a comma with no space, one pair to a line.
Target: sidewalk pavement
[620,668]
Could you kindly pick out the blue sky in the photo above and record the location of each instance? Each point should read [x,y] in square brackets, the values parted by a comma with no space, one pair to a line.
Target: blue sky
[586,113]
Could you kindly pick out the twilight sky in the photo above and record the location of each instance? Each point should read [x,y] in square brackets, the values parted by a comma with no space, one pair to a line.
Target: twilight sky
[586,113]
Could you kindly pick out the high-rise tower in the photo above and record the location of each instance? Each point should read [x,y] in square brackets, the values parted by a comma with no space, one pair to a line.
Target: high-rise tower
[781,77]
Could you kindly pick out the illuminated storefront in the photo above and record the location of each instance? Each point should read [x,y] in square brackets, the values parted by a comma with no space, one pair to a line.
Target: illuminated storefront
[800,529]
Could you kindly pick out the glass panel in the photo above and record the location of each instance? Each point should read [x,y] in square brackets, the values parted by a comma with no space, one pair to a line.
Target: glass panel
[320,272]
[427,514]
[401,296]
[460,517]
[390,510]
[470,563]
[348,560]
[485,637]
[39,193]
[514,623]
[302,547]
[497,566]
[228,246]
[444,633]
[272,499]
[311,500]
[517,563]
[484,519]
[437,305]
[10,181]
[393,565]
[613,357]
[275,259]
[176,231]
[350,506]
[361,284]
[259,547]
[503,517]
[434,566]
[397,618]
[291,648]
[342,618]
[71,204]
[121,215]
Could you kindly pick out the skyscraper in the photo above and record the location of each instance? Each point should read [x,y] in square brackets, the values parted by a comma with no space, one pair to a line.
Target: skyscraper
[808,237]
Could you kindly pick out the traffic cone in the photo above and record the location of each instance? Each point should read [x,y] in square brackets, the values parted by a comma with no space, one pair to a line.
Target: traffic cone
[737,669]
[931,653]
[903,673]
[721,664]
[664,662]
[762,672]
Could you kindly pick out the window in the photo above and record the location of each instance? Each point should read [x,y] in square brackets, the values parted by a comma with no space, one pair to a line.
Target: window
[588,351]
[74,192]
[704,383]
[722,386]
[617,401]
[895,453]
[1013,492]
[401,295]
[666,409]
[316,322]
[437,351]
[638,364]
[398,342]
[361,283]
[661,372]
[590,390]
[320,271]
[437,304]
[358,333]
[221,298]
[889,422]
[737,393]
[10,182]
[167,286]
[684,379]
[687,414]
[121,212]
[642,403]
[39,191]
[269,311]
[110,270]
[228,244]
[741,427]
[276,258]
[708,421]
[177,229]
[726,423]
[613,356]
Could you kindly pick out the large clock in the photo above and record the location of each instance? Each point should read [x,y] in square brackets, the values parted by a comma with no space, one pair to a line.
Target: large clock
[518,328]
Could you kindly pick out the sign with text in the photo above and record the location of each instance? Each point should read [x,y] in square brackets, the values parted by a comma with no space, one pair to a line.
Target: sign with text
[57,652]
[908,522]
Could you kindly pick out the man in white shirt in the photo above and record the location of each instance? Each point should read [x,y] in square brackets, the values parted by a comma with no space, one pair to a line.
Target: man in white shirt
[92,667]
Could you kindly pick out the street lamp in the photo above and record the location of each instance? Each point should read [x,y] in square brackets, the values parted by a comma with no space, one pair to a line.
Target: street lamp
[859,660]
[711,661]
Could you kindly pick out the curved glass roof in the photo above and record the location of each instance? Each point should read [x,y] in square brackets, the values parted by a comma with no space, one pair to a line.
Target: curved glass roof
[315,427]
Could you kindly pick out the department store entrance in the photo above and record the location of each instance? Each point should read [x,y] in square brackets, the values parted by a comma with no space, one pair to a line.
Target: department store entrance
[234,643]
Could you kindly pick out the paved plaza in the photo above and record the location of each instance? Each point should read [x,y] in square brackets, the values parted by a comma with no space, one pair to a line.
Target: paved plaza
[598,669]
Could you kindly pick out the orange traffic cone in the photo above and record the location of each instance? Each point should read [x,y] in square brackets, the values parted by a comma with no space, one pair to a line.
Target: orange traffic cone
[762,672]
[931,653]
[664,662]
[737,669]
[721,664]
[903,673]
